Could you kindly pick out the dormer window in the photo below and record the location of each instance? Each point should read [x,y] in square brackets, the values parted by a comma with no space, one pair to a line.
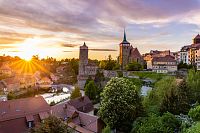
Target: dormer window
[29,120]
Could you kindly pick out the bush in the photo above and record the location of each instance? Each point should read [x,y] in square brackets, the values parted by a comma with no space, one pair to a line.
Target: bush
[194,129]
[106,130]
[52,103]
[11,96]
[52,125]
[195,113]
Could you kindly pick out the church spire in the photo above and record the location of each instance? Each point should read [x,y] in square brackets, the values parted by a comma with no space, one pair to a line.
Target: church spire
[124,40]
[124,36]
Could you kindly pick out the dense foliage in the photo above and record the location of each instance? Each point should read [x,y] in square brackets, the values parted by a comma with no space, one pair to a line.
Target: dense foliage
[109,64]
[75,93]
[194,129]
[134,66]
[90,90]
[176,100]
[52,125]
[121,103]
[194,113]
[184,65]
[107,129]
[156,124]
[193,82]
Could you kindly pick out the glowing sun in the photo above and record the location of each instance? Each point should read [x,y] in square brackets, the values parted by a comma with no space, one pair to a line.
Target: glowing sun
[28,48]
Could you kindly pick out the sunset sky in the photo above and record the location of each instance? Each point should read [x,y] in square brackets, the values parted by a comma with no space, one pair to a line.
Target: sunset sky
[58,27]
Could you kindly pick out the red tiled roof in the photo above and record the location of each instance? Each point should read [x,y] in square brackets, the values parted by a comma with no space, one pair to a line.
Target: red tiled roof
[83,122]
[43,115]
[14,109]
[29,118]
[11,80]
[167,58]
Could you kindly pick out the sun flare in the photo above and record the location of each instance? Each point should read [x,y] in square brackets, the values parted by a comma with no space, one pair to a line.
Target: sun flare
[28,48]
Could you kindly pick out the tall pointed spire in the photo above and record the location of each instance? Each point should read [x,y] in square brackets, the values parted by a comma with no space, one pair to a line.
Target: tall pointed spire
[124,40]
[124,35]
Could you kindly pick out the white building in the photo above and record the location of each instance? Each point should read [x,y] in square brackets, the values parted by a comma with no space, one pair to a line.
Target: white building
[165,64]
[185,54]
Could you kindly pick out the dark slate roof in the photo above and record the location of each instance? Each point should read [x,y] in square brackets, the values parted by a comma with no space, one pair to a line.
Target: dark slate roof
[197,37]
[83,104]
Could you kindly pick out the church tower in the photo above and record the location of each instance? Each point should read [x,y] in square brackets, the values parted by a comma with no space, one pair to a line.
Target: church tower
[83,59]
[125,49]
[196,40]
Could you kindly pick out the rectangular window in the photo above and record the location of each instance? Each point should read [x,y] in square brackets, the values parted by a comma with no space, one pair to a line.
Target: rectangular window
[29,124]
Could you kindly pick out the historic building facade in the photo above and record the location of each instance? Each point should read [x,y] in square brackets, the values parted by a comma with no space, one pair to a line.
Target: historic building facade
[190,54]
[86,69]
[128,54]
[166,64]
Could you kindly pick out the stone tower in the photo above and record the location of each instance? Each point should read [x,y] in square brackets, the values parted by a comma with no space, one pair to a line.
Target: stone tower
[83,59]
[125,49]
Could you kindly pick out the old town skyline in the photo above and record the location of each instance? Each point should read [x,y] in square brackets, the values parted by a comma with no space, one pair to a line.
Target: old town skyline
[26,30]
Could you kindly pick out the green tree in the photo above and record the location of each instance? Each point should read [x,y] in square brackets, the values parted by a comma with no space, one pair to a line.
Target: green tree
[184,65]
[151,124]
[169,103]
[194,129]
[11,95]
[120,104]
[193,82]
[134,66]
[99,78]
[87,81]
[109,64]
[170,121]
[75,93]
[164,89]
[90,90]
[176,100]
[51,125]
[183,93]
[156,124]
[107,129]
[194,113]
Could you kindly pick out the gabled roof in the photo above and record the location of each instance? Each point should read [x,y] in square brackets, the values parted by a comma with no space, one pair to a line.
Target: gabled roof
[135,53]
[197,37]
[18,108]
[83,104]
[83,122]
